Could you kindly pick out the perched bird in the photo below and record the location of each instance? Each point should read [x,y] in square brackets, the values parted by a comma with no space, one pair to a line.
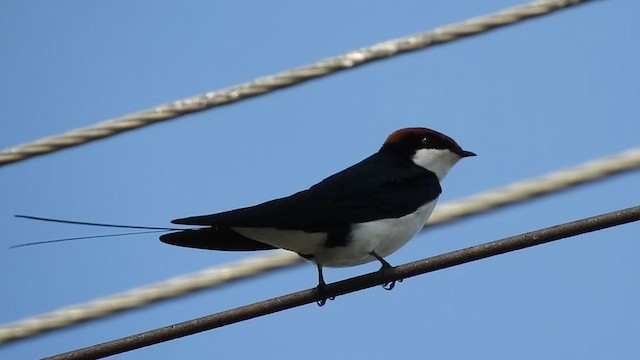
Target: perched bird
[358,215]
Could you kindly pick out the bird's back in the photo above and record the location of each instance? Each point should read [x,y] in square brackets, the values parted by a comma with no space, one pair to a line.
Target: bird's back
[363,192]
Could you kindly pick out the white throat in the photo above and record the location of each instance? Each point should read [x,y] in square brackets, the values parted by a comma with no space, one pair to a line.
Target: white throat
[438,161]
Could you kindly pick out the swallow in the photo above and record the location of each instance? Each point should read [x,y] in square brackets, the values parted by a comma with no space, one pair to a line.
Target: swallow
[361,214]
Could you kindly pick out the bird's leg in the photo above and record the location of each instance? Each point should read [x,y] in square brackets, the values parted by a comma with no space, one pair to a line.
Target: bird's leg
[385,265]
[321,286]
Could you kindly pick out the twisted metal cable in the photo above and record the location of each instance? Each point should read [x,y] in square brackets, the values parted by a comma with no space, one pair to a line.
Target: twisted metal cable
[531,188]
[219,275]
[284,79]
[149,294]
[420,267]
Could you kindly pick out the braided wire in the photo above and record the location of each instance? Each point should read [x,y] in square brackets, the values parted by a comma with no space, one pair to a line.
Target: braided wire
[252,266]
[282,80]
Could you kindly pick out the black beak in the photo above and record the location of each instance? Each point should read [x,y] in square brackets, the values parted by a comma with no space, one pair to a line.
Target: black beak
[465,153]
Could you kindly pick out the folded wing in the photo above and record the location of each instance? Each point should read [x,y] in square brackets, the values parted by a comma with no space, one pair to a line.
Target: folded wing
[367,191]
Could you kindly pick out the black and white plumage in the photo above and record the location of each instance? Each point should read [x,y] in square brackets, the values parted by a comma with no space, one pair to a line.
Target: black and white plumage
[358,215]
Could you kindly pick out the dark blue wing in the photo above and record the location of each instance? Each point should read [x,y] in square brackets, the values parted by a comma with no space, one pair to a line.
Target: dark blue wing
[381,186]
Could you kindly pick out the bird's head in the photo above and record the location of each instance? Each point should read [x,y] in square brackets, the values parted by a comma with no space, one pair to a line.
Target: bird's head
[427,148]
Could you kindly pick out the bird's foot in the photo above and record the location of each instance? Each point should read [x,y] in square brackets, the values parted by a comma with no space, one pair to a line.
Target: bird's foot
[390,285]
[324,301]
[321,288]
[385,265]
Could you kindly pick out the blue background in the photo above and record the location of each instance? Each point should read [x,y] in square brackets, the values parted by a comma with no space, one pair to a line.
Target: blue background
[529,99]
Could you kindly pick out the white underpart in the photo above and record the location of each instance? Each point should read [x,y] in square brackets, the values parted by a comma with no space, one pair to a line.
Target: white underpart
[438,161]
[382,236]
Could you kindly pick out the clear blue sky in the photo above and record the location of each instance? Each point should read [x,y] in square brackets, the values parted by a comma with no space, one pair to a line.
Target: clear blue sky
[529,99]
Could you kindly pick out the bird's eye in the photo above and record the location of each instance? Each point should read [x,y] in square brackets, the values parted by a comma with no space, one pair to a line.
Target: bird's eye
[425,140]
